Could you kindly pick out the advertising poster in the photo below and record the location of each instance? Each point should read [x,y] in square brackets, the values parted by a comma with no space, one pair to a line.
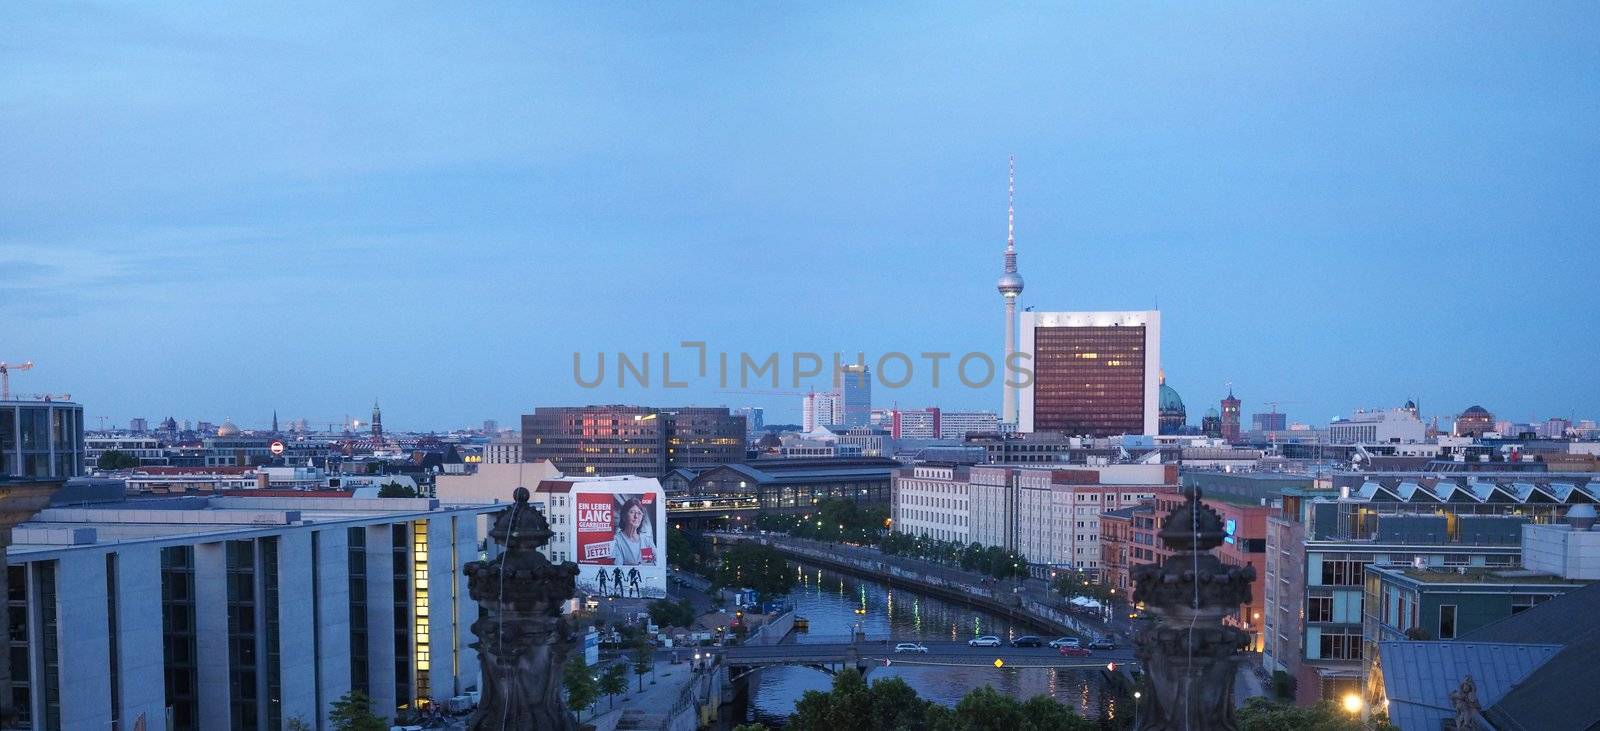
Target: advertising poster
[621,547]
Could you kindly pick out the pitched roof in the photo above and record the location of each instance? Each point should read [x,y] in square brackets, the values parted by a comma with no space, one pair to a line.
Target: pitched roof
[1560,693]
[1419,676]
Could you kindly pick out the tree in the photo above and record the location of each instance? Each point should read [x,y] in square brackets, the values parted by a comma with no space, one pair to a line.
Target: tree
[614,681]
[297,724]
[1261,714]
[852,705]
[750,727]
[353,712]
[984,709]
[667,613]
[754,566]
[112,459]
[579,683]
[643,662]
[686,551]
[395,489]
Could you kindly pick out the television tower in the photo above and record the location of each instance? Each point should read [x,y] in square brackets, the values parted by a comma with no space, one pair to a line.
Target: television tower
[1010,285]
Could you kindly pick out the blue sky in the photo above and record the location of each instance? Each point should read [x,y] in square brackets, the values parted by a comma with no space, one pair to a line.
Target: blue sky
[218,211]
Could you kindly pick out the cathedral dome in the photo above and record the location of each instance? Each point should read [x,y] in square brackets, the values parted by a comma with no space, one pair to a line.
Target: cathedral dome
[227,429]
[1170,400]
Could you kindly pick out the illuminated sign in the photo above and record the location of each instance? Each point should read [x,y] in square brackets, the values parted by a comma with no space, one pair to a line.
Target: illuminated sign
[1229,528]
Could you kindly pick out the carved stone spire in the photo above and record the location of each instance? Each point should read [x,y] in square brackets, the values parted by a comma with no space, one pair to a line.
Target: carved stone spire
[523,640]
[1188,654]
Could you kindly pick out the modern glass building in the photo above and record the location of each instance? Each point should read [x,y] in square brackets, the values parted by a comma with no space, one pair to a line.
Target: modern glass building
[1094,373]
[41,439]
[238,612]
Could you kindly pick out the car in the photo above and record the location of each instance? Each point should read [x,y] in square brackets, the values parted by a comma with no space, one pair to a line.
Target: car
[1104,643]
[1027,641]
[910,647]
[984,641]
[1067,651]
[1061,642]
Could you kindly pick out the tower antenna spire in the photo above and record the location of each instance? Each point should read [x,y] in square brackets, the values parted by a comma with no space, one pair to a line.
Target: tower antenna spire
[1010,286]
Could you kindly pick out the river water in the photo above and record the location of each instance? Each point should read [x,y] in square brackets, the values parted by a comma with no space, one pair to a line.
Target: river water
[829,601]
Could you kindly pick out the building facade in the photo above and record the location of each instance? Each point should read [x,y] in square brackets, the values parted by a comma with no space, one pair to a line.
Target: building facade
[1388,426]
[1094,373]
[1388,519]
[41,439]
[933,501]
[238,612]
[1230,418]
[631,440]
[958,424]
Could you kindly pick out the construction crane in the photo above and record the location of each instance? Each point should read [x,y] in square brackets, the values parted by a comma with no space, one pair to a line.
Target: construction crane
[5,376]
[53,396]
[764,392]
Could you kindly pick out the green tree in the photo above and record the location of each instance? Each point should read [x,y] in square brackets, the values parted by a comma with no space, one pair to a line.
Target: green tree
[1261,714]
[643,660]
[668,613]
[614,681]
[580,685]
[686,551]
[754,566]
[353,712]
[297,724]
[395,489]
[750,727]
[984,709]
[852,705]
[113,459]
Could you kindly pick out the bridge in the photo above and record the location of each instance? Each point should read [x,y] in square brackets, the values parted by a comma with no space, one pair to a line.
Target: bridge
[830,657]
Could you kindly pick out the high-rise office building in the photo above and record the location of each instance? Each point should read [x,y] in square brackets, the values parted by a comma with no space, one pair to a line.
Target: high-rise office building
[852,394]
[1094,373]
[139,425]
[915,423]
[817,410]
[755,417]
[1230,417]
[1272,421]
[958,424]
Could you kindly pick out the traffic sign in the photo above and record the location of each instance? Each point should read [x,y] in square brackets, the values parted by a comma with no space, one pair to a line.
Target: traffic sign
[277,448]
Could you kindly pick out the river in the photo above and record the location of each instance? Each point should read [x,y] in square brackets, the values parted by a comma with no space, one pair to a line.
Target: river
[829,601]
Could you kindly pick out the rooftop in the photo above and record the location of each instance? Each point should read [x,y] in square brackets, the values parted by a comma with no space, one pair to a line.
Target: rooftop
[1475,575]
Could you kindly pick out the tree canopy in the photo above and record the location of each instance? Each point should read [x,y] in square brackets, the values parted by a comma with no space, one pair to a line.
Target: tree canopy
[755,566]
[112,459]
[890,705]
[353,712]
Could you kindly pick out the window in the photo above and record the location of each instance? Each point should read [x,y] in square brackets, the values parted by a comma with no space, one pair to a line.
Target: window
[1319,609]
[1341,645]
[1342,572]
[1447,622]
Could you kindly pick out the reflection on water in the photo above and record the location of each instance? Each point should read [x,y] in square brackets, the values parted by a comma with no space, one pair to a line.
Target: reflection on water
[835,604]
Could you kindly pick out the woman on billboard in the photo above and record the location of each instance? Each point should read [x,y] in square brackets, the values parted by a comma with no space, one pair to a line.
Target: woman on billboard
[633,544]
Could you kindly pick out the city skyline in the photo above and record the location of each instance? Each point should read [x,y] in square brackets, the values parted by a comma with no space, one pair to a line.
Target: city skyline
[232,261]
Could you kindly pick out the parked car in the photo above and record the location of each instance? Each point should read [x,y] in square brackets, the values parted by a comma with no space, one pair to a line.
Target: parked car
[1104,643]
[1027,641]
[1061,642]
[1074,651]
[910,647]
[984,641]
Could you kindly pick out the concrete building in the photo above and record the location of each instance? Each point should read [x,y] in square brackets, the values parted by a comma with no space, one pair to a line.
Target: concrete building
[934,501]
[1049,515]
[631,440]
[41,438]
[958,424]
[238,612]
[915,423]
[1388,426]
[503,450]
[817,410]
[1271,421]
[1094,373]
[1322,545]
[147,450]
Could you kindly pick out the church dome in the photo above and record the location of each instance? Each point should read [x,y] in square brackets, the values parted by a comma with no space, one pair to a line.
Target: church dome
[1475,411]
[1212,413]
[227,429]
[1170,400]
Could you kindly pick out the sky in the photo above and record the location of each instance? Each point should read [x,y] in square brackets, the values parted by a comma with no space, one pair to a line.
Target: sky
[216,210]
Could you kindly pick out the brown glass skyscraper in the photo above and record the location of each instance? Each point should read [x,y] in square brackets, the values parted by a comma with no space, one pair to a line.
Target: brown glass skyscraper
[1094,373]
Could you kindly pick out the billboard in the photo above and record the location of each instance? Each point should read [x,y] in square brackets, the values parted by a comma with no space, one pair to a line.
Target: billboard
[621,543]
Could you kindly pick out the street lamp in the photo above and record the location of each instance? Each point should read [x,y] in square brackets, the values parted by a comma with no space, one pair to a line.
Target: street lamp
[1352,703]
